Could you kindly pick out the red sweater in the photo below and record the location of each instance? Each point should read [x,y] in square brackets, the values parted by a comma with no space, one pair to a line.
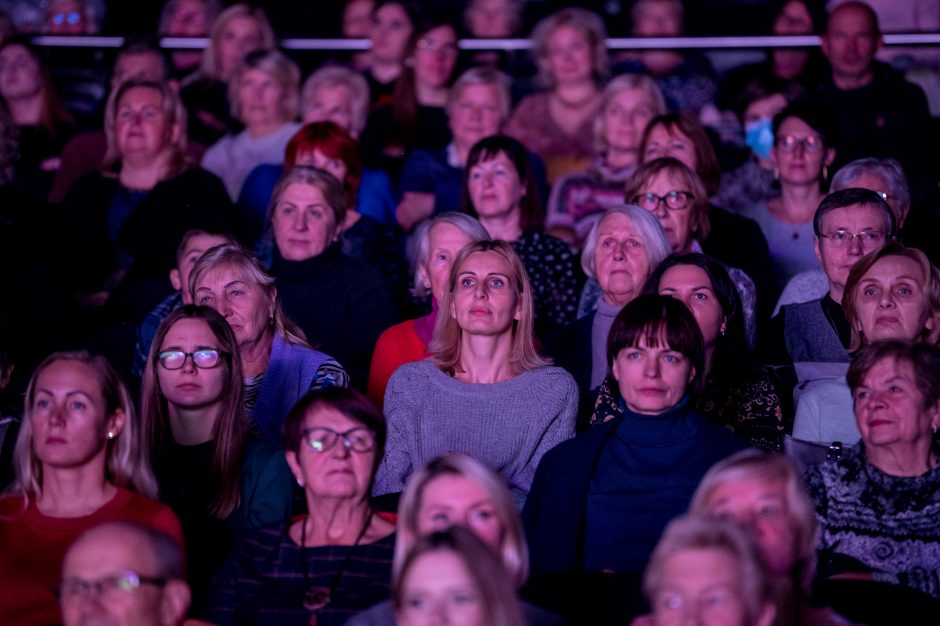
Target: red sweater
[396,346]
[32,546]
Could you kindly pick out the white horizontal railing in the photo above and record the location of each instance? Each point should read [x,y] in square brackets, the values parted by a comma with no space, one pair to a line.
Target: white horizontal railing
[616,43]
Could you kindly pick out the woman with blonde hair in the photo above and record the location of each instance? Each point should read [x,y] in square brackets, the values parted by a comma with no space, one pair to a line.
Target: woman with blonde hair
[120,226]
[486,391]
[277,363]
[78,463]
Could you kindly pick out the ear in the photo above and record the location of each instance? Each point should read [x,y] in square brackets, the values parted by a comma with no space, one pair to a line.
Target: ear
[291,457]
[824,44]
[175,279]
[175,132]
[615,369]
[174,603]
[816,248]
[518,314]
[453,309]
[724,326]
[691,375]
[116,422]
[830,156]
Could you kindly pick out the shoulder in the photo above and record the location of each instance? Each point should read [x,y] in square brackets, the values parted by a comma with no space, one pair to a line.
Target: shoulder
[551,377]
[580,448]
[12,506]
[403,332]
[409,373]
[381,614]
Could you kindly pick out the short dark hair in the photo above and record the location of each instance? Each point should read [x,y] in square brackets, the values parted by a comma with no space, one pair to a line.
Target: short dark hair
[350,403]
[851,196]
[923,358]
[532,210]
[654,318]
[145,44]
[814,113]
[706,162]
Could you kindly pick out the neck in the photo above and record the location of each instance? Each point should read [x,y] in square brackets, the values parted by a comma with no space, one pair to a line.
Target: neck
[431,96]
[619,300]
[836,291]
[576,94]
[617,158]
[505,227]
[385,71]
[143,172]
[799,202]
[191,427]
[255,354]
[26,111]
[485,358]
[263,129]
[852,81]
[335,521]
[907,461]
[74,492]
[463,151]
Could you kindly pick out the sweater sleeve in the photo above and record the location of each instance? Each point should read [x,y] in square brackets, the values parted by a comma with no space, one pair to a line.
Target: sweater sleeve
[806,424]
[400,415]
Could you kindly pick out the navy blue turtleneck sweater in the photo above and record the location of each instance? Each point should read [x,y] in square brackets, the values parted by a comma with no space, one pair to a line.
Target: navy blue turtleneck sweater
[646,475]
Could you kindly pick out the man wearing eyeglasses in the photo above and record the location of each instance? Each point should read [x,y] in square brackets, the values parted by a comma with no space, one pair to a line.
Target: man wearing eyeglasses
[811,338]
[123,574]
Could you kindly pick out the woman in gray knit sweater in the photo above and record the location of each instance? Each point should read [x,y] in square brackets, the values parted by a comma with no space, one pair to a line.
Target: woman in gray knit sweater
[486,391]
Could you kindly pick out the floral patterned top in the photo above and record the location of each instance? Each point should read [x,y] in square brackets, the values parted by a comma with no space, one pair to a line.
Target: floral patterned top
[555,277]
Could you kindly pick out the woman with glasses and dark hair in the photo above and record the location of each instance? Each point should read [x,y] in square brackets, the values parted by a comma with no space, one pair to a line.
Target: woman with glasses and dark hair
[336,560]
[218,478]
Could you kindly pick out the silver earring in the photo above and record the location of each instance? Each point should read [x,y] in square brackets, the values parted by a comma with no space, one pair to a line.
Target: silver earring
[300,482]
[110,434]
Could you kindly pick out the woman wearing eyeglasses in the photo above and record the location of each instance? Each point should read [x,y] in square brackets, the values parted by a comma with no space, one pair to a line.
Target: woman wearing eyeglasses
[804,140]
[218,479]
[335,561]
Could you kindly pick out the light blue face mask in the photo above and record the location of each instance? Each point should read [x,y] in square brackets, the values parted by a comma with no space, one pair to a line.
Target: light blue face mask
[759,137]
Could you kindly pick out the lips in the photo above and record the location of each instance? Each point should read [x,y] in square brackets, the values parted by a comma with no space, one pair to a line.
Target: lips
[188,386]
[885,320]
[55,441]
[878,422]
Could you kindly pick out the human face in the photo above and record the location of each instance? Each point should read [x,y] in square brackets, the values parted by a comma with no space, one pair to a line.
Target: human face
[837,262]
[793,19]
[338,472]
[303,223]
[261,99]
[891,302]
[652,379]
[655,18]
[801,165]
[495,187]
[570,58]
[69,417]
[676,223]
[690,285]
[435,56]
[850,43]
[490,19]
[625,118]
[240,36]
[330,103]
[316,158]
[357,18]
[621,262]
[700,586]
[475,114]
[452,499]
[141,127]
[390,31]
[244,304]
[137,66]
[99,556]
[890,411]
[665,142]
[66,17]
[19,73]
[485,300]
[191,387]
[195,248]
[761,507]
[444,242]
[438,589]
[188,19]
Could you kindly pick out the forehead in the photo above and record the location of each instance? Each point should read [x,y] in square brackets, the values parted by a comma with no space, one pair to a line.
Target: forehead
[332,92]
[189,328]
[796,125]
[495,158]
[894,267]
[853,216]
[486,262]
[141,96]
[478,92]
[70,375]
[662,131]
[100,553]
[567,34]
[700,567]
[887,368]
[630,98]
[452,489]
[257,75]
[851,19]
[664,178]
[302,193]
[222,275]
[685,275]
[616,223]
[447,235]
[740,487]
[241,24]
[202,242]
[443,31]
[328,417]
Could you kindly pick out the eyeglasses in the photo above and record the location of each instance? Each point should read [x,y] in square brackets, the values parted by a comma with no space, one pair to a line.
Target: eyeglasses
[74,589]
[72,18]
[206,358]
[321,439]
[810,143]
[675,200]
[842,238]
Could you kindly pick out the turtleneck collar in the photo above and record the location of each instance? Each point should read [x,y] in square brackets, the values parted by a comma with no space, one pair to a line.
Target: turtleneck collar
[662,429]
[303,270]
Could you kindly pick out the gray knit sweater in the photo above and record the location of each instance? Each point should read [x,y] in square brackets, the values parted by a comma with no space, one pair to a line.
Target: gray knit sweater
[508,425]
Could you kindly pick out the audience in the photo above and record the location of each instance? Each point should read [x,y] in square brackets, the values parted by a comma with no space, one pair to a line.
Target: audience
[112,243]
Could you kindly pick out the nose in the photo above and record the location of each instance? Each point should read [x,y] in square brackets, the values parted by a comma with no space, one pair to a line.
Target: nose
[855,246]
[341,450]
[651,367]
[57,415]
[189,364]
[300,221]
[479,291]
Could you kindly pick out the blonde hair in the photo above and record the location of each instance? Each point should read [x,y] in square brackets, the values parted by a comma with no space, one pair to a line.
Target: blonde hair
[625,82]
[173,109]
[513,549]
[127,462]
[446,343]
[276,65]
[587,23]
[336,76]
[210,61]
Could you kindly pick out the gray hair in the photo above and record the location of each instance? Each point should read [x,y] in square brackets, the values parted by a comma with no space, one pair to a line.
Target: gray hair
[421,245]
[335,76]
[625,82]
[276,64]
[483,76]
[888,170]
[651,232]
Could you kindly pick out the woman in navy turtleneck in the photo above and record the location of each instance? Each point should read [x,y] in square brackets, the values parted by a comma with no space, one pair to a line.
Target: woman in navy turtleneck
[599,502]
[341,304]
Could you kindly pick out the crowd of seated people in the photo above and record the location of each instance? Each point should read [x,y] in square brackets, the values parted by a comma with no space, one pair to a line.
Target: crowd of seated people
[419,333]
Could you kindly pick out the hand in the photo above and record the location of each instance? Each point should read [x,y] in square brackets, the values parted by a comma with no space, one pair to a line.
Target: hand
[413,208]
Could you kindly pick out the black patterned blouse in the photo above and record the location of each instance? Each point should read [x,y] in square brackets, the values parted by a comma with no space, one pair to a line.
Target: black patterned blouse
[556,280]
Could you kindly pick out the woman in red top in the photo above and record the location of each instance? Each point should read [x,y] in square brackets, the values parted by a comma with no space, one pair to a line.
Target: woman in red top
[78,463]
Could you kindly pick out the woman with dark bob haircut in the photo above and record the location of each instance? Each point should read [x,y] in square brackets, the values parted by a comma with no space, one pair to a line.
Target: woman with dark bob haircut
[336,560]
[650,458]
[736,393]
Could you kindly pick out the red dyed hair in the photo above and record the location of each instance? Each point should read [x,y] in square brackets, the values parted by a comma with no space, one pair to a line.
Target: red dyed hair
[333,142]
